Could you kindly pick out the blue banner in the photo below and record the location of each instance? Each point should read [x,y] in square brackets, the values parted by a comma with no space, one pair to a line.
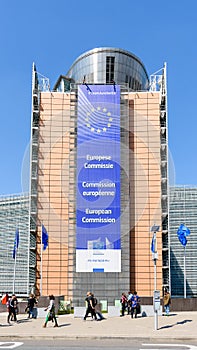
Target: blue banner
[16,243]
[98,245]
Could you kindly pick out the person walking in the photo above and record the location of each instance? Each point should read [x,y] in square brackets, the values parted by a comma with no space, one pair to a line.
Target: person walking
[123,302]
[30,305]
[90,306]
[166,302]
[50,312]
[135,304]
[129,296]
[97,308]
[12,306]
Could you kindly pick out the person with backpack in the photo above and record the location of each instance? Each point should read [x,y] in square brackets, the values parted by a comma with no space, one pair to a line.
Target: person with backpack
[97,308]
[90,306]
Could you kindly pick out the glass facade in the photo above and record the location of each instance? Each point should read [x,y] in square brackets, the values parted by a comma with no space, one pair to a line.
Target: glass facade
[109,65]
[183,209]
[14,213]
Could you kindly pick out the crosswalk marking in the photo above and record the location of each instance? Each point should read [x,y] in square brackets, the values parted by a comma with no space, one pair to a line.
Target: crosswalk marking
[10,345]
[168,346]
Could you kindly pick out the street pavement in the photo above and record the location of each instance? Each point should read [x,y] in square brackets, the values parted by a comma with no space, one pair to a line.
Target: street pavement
[177,326]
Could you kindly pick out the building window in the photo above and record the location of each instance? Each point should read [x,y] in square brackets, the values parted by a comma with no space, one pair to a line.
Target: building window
[110,62]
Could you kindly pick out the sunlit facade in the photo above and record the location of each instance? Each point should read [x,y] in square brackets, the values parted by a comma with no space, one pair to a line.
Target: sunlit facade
[143,176]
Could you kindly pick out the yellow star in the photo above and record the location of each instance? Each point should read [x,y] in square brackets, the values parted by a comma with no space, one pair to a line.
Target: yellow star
[104,110]
[98,108]
[98,130]
[88,125]
[104,129]
[110,119]
[108,125]
[92,109]
[92,129]
[108,114]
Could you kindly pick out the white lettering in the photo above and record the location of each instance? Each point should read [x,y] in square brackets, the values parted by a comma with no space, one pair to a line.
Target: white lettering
[98,166]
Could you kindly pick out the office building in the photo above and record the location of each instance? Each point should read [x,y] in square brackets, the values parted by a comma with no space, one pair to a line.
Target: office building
[99,178]
[16,274]
[183,261]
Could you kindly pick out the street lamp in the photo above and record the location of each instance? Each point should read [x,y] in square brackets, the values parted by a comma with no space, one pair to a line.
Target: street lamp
[156,296]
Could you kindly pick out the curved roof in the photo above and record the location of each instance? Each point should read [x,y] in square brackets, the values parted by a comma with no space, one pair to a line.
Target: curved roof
[108,49]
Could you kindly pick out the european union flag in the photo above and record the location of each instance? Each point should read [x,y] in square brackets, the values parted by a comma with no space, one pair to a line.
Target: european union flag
[16,243]
[45,237]
[182,232]
[153,245]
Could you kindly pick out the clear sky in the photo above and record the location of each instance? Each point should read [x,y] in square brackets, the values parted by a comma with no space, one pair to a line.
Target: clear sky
[54,33]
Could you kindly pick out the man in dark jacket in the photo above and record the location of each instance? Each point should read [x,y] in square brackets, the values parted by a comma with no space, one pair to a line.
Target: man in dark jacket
[12,306]
[90,306]
[135,304]
[30,304]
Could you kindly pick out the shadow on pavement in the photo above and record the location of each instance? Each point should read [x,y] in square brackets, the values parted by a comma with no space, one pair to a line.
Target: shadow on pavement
[167,326]
[169,315]
[24,320]
[175,324]
[183,322]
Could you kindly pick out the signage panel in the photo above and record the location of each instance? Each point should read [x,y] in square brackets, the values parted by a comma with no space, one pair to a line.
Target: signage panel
[98,244]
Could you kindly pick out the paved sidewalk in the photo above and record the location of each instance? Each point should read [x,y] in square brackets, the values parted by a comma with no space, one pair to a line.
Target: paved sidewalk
[179,325]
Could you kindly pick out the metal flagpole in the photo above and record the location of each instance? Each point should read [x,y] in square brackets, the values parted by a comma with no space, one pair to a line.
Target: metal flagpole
[185,272]
[14,271]
[182,232]
[155,282]
[156,294]
[15,250]
[41,264]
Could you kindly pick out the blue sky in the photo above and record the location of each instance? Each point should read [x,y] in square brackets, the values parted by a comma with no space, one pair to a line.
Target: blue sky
[54,33]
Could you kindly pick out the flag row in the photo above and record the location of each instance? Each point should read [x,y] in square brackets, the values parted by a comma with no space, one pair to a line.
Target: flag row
[44,241]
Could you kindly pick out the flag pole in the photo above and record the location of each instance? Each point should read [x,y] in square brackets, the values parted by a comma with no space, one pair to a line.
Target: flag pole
[44,245]
[14,272]
[14,255]
[156,294]
[41,264]
[185,272]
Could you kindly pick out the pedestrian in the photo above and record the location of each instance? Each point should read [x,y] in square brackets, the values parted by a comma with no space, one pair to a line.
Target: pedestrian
[12,306]
[129,296]
[135,304]
[123,302]
[16,308]
[97,308]
[8,305]
[50,312]
[90,306]
[31,302]
[166,302]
